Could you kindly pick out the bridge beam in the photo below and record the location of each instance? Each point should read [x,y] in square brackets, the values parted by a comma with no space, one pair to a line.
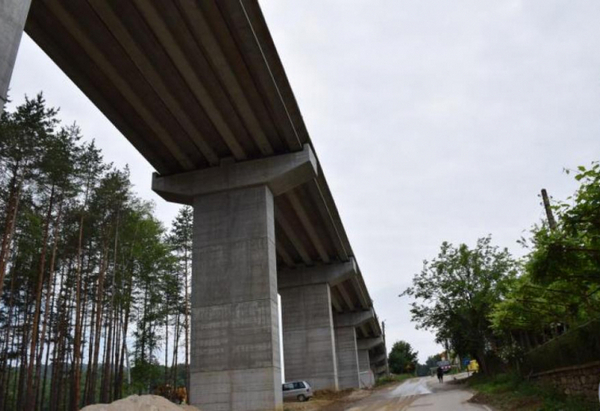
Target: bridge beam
[13,15]
[369,343]
[235,359]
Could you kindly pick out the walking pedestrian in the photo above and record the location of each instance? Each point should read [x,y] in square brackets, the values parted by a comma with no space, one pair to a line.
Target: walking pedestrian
[440,374]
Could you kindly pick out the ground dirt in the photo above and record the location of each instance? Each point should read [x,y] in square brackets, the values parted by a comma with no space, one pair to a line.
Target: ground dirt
[328,401]
[140,403]
[501,404]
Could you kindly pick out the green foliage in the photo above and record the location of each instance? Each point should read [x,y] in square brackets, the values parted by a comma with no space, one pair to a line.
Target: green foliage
[402,358]
[455,294]
[109,266]
[511,392]
[579,346]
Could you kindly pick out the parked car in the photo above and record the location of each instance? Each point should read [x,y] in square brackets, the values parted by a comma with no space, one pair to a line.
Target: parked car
[299,390]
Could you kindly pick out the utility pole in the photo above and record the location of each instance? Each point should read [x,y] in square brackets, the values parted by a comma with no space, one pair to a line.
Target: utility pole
[549,215]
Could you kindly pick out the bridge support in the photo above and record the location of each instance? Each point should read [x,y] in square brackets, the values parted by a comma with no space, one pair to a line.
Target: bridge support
[13,14]
[366,377]
[308,333]
[235,360]
[346,347]
[308,338]
[347,357]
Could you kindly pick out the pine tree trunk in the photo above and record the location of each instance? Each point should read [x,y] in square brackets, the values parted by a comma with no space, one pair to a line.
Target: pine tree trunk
[9,226]
[38,305]
[76,381]
[99,309]
[47,311]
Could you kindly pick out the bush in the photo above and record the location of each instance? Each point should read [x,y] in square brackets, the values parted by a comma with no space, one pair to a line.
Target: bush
[512,392]
[576,347]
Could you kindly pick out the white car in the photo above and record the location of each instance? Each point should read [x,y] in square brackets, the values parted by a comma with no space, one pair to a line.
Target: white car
[299,390]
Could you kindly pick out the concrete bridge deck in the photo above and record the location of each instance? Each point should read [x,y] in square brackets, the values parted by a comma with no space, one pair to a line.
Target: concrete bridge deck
[198,88]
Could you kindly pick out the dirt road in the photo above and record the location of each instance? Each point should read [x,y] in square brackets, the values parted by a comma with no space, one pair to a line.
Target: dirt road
[420,394]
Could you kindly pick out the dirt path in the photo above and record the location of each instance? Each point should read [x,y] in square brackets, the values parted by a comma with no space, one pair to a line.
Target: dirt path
[418,394]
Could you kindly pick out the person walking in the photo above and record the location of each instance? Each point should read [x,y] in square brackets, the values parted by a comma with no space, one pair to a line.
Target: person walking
[440,374]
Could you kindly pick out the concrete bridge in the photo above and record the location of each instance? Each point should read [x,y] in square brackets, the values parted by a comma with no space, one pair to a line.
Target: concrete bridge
[198,88]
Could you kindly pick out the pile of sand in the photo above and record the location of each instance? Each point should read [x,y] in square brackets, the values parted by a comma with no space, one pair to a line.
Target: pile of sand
[140,403]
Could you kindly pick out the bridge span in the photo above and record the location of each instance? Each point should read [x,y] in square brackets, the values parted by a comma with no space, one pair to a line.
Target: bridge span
[198,88]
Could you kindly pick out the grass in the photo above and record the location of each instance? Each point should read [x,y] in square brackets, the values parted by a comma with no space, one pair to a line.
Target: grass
[388,379]
[510,392]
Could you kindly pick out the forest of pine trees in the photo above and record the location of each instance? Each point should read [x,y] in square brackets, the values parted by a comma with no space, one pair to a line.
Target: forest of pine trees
[94,291]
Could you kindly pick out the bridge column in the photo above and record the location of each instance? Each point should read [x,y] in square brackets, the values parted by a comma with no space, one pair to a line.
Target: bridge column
[366,377]
[13,14]
[235,360]
[346,347]
[308,333]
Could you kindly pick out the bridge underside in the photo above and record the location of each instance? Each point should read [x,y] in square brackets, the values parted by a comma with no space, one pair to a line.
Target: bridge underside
[198,88]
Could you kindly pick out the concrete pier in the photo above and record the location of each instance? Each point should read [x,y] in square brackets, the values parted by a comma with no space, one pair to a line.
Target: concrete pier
[347,357]
[308,336]
[366,377]
[235,359]
[13,14]
[308,332]
[347,348]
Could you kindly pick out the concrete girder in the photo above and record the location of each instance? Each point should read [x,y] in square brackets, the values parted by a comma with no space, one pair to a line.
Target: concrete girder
[332,274]
[328,217]
[279,173]
[336,303]
[78,33]
[376,359]
[353,319]
[308,225]
[198,23]
[163,33]
[155,80]
[346,296]
[369,343]
[258,49]
[293,237]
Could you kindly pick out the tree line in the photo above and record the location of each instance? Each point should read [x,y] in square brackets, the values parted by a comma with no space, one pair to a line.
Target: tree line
[92,286]
[484,304]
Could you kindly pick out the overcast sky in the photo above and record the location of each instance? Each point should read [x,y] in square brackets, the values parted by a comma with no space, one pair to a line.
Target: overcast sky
[433,120]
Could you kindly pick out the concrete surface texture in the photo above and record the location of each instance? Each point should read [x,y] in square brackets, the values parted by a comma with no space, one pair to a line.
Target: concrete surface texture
[13,14]
[347,357]
[366,377]
[308,336]
[235,359]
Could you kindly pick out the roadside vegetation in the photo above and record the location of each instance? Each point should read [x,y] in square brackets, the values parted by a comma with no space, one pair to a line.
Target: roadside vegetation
[508,392]
[521,316]
[93,288]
